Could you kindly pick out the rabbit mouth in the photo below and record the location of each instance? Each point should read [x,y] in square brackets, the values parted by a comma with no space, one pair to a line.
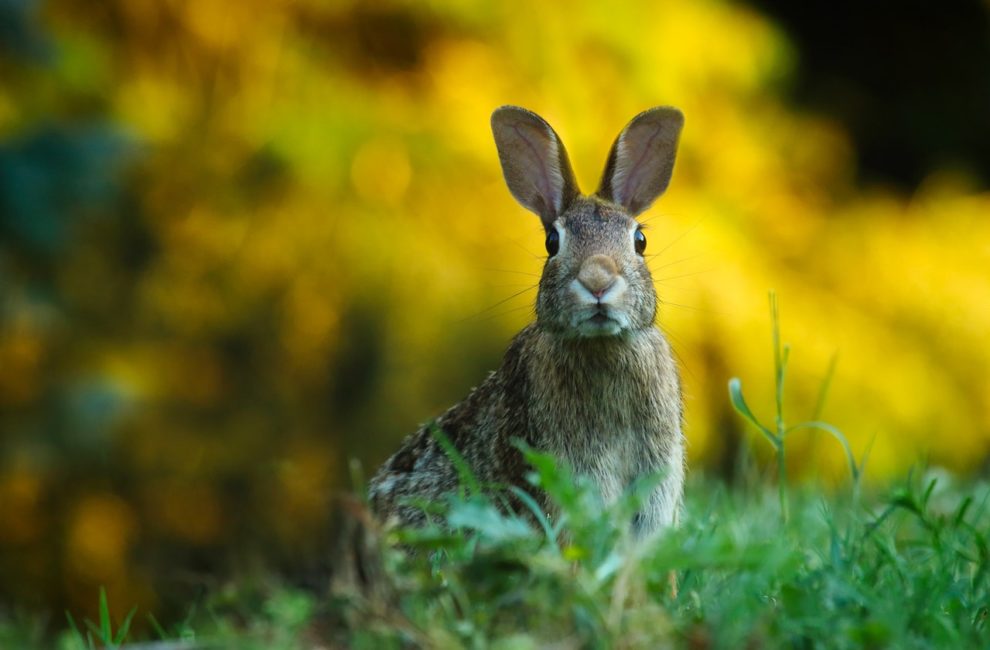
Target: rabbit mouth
[599,323]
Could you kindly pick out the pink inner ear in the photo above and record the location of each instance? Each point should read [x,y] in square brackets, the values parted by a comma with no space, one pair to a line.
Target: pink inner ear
[545,173]
[542,173]
[635,170]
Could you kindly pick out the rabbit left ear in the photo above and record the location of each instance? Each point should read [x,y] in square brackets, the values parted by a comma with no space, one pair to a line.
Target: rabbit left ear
[534,162]
[641,161]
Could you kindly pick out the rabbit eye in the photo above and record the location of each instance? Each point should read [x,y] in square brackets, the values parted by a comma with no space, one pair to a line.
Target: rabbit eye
[639,240]
[553,242]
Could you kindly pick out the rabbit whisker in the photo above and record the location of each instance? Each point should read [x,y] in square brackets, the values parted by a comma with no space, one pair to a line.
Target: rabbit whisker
[499,303]
[496,315]
[535,275]
[683,275]
[681,236]
[680,344]
[528,252]
[683,259]
[701,310]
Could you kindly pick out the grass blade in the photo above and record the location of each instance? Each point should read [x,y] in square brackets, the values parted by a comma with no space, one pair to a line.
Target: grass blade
[538,513]
[464,472]
[739,403]
[854,469]
[157,627]
[125,627]
[825,387]
[106,635]
[77,634]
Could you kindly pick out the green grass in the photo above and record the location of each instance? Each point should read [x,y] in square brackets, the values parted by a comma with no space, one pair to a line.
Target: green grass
[908,570]
[905,568]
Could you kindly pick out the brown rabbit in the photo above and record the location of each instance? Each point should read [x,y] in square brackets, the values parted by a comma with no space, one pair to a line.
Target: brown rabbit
[592,382]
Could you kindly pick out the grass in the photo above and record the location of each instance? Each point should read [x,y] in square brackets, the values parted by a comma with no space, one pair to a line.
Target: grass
[777,434]
[907,568]
[904,568]
[757,565]
[101,635]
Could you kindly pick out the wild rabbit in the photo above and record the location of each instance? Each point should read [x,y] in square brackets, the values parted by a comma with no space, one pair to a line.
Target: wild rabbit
[592,382]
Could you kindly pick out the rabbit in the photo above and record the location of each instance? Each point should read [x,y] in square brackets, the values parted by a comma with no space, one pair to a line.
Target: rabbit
[592,381]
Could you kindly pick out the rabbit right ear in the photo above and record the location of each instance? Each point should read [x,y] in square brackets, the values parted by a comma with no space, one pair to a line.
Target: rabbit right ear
[642,159]
[534,162]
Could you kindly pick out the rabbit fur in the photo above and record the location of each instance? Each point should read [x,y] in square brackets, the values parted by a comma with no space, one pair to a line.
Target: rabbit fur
[592,381]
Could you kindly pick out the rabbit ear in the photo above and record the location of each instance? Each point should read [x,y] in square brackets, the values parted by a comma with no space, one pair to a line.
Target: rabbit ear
[642,159]
[534,162]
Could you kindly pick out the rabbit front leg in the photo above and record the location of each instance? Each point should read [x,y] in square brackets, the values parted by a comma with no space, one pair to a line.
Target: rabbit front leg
[661,509]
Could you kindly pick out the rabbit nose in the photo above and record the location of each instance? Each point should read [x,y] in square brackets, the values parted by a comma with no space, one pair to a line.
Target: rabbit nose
[598,273]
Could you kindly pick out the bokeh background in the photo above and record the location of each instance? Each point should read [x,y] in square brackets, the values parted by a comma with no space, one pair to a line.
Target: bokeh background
[242,243]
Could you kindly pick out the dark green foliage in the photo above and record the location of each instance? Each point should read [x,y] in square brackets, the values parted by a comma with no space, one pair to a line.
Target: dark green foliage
[52,176]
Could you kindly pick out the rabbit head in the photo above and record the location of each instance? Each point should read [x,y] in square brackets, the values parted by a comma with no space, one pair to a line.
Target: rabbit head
[595,282]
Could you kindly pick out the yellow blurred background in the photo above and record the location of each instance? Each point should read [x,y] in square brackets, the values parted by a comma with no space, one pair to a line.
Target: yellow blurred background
[245,242]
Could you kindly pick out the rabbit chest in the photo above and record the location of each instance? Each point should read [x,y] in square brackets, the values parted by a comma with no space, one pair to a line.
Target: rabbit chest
[609,407]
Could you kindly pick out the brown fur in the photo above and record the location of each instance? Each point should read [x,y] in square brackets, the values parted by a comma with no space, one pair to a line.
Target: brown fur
[591,382]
